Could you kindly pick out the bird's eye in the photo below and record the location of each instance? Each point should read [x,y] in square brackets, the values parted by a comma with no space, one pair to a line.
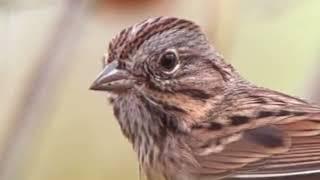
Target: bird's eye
[168,61]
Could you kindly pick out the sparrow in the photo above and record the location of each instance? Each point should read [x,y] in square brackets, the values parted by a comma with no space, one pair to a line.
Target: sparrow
[189,114]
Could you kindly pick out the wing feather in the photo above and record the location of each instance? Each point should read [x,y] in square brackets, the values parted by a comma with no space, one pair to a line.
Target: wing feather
[278,138]
[303,156]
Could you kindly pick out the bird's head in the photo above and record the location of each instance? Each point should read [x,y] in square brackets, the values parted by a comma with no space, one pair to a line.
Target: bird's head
[168,61]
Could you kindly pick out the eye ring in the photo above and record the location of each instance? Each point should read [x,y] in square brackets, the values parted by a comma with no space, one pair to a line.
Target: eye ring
[169,61]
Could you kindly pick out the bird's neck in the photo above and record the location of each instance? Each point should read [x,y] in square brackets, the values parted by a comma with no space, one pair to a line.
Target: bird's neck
[145,125]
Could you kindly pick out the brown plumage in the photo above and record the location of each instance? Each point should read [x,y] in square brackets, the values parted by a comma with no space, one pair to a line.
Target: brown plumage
[189,115]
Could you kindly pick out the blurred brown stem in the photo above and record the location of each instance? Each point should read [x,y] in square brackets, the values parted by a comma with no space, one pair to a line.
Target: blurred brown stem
[30,114]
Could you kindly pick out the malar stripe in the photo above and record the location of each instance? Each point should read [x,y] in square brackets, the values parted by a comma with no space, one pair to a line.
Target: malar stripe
[195,93]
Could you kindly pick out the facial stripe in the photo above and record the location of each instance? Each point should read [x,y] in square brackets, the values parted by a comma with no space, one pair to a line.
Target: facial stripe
[195,93]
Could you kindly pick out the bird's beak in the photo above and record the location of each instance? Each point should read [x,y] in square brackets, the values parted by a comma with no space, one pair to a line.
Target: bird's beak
[112,79]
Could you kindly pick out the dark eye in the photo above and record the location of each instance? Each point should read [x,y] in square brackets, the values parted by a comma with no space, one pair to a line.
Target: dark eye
[168,61]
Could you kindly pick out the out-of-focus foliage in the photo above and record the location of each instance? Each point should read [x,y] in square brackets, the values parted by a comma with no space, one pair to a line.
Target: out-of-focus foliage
[272,43]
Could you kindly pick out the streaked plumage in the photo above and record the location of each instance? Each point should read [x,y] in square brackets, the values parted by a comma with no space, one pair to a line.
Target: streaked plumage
[189,115]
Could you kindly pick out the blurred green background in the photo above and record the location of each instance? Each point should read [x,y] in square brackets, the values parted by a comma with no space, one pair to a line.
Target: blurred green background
[272,43]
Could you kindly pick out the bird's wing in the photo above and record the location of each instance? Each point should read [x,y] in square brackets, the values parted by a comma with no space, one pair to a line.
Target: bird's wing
[303,156]
[273,139]
[226,155]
